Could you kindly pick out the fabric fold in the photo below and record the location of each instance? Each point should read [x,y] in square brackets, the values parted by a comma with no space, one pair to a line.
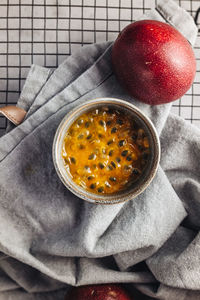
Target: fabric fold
[51,239]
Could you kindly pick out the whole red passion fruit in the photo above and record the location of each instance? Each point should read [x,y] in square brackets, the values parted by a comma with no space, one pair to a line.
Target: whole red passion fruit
[98,292]
[153,61]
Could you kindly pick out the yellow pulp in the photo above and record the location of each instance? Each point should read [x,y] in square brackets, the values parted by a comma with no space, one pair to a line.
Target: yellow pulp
[104,150]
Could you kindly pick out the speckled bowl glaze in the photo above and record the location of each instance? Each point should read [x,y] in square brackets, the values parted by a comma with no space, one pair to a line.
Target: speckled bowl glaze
[139,185]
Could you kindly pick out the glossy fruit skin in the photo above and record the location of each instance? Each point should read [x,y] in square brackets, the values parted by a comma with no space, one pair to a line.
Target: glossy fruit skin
[153,61]
[98,292]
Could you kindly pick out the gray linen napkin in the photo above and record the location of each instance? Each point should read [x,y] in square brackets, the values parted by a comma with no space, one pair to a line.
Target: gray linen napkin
[50,239]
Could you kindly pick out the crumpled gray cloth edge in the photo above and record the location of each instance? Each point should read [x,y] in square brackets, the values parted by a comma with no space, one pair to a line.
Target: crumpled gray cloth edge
[195,298]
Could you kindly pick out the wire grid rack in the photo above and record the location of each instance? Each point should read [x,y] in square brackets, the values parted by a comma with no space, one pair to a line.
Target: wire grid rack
[45,32]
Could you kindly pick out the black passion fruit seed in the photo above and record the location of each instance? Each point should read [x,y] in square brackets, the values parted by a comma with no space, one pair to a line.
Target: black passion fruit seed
[73,160]
[124,153]
[113,179]
[110,142]
[134,136]
[109,168]
[91,156]
[117,159]
[80,121]
[114,130]
[100,189]
[113,164]
[121,143]
[129,158]
[89,136]
[101,122]
[92,186]
[81,136]
[135,171]
[87,124]
[101,166]
[120,122]
[111,152]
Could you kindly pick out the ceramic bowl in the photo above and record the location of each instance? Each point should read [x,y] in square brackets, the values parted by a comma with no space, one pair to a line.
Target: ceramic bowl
[145,178]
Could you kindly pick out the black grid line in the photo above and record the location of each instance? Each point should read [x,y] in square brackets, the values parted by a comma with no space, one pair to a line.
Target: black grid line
[6,123]
[192,97]
[95,30]
[106,19]
[20,54]
[45,34]
[82,23]
[56,33]
[45,61]
[32,16]
[70,5]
